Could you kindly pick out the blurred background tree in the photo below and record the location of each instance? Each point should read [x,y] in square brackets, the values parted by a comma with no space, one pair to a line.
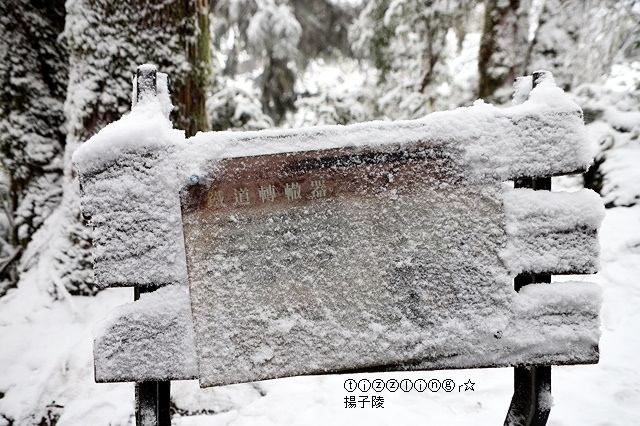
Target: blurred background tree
[33,84]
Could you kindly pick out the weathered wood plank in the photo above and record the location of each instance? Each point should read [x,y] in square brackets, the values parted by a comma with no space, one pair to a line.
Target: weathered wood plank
[550,324]
[149,339]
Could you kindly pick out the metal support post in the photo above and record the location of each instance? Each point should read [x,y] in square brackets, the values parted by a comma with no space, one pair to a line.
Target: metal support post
[531,401]
[153,398]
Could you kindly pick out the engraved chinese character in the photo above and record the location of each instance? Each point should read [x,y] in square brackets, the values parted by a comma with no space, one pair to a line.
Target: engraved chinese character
[318,189]
[242,196]
[267,193]
[216,199]
[292,191]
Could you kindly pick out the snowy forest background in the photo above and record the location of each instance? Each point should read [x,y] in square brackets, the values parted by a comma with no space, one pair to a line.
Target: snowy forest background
[66,71]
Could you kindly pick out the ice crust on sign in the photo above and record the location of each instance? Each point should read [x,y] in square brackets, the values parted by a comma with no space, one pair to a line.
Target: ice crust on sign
[551,232]
[149,339]
[130,190]
[360,282]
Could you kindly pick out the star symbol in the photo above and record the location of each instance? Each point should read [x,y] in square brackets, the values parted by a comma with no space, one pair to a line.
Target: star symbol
[468,385]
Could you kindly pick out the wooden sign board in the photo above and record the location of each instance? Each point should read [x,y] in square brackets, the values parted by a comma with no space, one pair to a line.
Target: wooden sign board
[325,261]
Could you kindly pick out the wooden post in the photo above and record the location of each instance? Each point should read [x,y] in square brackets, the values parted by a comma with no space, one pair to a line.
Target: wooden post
[531,402]
[152,398]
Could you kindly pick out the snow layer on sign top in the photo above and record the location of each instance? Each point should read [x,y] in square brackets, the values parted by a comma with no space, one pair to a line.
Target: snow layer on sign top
[551,232]
[144,128]
[543,136]
[581,298]
[150,339]
[130,190]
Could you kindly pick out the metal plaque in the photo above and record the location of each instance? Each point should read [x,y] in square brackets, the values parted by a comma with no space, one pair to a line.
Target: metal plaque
[314,262]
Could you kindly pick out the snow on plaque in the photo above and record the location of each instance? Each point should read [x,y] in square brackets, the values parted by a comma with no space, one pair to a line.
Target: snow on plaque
[388,245]
[357,257]
[330,260]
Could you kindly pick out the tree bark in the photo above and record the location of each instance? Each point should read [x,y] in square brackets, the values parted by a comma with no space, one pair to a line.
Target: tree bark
[503,47]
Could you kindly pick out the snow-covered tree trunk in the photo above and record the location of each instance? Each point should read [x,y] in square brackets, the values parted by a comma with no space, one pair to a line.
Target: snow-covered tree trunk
[33,78]
[274,34]
[503,48]
[107,41]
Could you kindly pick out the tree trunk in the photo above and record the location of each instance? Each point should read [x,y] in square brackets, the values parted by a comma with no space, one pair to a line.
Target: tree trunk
[190,92]
[503,48]
[107,41]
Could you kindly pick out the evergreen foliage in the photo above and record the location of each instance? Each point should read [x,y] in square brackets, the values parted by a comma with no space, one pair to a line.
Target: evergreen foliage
[270,32]
[33,81]
[574,39]
[275,41]
[406,41]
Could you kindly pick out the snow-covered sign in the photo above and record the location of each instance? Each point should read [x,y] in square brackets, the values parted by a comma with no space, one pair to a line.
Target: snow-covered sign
[388,254]
[386,245]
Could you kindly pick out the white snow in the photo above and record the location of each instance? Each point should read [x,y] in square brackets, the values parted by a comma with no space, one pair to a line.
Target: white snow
[45,333]
[565,297]
[433,289]
[588,395]
[274,29]
[611,387]
[551,232]
[129,189]
[522,87]
[144,128]
[547,93]
[150,339]
[440,253]
[45,358]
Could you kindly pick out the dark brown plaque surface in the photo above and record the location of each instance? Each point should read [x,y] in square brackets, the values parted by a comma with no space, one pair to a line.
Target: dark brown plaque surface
[324,261]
